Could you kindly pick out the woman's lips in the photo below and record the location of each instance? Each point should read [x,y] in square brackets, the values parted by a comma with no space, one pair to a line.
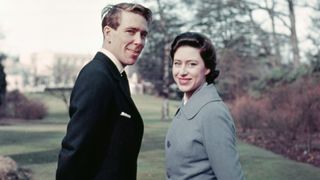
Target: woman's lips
[184,81]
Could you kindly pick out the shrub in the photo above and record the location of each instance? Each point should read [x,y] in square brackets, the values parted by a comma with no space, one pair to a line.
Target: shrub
[19,106]
[9,170]
[249,113]
[7,166]
[295,108]
[30,109]
[284,113]
[290,111]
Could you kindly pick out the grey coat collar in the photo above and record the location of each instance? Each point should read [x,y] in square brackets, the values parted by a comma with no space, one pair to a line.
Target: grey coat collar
[205,94]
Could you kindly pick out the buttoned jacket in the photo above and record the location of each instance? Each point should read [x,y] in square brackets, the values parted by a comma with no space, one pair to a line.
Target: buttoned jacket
[104,134]
[201,142]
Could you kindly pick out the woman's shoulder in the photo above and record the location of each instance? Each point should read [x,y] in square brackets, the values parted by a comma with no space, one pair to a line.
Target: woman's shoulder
[206,96]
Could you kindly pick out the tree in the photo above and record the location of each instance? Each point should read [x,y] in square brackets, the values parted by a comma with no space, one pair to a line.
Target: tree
[62,93]
[154,65]
[276,12]
[237,72]
[293,34]
[3,83]
[166,62]
[64,72]
[242,45]
[314,36]
[272,49]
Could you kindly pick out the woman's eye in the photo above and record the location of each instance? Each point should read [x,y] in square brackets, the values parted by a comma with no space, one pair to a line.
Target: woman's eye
[192,64]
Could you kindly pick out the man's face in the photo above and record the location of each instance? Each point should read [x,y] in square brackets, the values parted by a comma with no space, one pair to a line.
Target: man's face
[127,42]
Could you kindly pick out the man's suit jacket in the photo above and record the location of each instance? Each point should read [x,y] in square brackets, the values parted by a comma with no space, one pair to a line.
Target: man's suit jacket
[104,134]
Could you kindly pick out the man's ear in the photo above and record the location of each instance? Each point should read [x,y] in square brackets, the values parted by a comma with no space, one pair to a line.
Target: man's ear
[106,31]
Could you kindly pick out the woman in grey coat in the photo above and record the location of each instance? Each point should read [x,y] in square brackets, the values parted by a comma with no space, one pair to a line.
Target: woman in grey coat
[201,141]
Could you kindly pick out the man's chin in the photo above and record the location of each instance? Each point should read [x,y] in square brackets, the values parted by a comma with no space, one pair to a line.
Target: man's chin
[131,62]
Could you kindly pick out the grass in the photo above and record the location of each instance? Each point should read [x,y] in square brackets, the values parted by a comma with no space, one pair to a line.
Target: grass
[35,145]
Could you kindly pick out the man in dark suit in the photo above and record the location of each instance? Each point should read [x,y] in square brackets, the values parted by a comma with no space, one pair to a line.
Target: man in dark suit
[104,134]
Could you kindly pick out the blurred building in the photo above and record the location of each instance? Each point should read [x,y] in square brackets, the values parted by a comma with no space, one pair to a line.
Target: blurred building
[14,73]
[35,72]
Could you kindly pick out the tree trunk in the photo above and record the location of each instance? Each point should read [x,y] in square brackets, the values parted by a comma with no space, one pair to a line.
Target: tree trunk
[309,140]
[293,35]
[166,63]
[277,58]
[60,93]
[165,110]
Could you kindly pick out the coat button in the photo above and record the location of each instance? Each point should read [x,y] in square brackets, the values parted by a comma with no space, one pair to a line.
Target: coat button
[168,144]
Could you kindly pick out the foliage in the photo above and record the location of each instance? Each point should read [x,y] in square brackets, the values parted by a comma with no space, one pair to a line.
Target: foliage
[231,25]
[248,113]
[280,75]
[257,46]
[314,53]
[153,64]
[285,119]
[19,106]
[314,62]
[246,50]
[237,74]
[290,111]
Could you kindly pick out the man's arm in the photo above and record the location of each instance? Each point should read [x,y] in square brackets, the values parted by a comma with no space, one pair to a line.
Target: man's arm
[89,102]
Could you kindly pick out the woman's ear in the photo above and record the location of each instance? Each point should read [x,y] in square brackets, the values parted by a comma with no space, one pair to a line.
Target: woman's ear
[207,71]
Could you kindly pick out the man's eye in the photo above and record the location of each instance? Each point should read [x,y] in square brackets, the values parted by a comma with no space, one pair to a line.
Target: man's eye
[143,35]
[132,32]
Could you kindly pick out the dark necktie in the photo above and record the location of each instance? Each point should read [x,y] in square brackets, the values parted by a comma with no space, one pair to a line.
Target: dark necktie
[125,82]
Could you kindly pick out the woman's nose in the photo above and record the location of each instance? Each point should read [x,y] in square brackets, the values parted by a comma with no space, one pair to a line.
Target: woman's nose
[183,70]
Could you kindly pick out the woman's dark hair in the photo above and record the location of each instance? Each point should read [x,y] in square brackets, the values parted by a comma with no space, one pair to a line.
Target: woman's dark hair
[207,51]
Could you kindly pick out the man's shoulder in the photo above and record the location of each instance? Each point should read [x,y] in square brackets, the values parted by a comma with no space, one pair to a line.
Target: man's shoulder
[96,65]
[95,71]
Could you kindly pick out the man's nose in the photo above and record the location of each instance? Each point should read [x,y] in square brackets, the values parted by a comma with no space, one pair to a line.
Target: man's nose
[138,39]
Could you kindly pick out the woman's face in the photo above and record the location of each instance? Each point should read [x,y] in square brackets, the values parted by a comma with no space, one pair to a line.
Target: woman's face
[189,71]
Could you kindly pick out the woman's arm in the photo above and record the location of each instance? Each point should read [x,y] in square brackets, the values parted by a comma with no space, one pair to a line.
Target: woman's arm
[220,141]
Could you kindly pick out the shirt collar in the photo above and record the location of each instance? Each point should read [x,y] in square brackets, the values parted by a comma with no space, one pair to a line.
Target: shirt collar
[113,59]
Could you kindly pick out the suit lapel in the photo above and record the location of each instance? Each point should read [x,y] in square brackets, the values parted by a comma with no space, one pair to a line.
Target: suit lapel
[111,67]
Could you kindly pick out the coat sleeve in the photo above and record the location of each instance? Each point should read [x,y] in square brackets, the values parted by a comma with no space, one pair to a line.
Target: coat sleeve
[89,103]
[220,141]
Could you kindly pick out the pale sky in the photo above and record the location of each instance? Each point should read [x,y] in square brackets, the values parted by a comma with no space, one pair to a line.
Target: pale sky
[51,25]
[63,25]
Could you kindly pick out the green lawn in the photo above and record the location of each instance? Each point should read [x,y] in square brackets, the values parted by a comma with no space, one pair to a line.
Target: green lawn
[35,145]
